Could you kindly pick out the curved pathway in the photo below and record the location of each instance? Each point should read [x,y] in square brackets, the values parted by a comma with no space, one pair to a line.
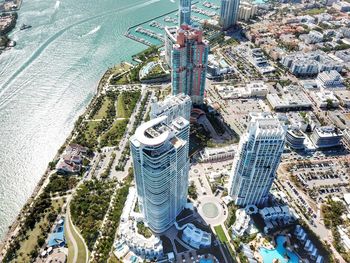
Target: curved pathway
[71,231]
[70,236]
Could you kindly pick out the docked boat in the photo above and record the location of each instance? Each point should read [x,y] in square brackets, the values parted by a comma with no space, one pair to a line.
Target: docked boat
[24,26]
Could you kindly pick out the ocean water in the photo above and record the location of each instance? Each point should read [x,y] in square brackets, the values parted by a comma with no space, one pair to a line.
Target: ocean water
[48,79]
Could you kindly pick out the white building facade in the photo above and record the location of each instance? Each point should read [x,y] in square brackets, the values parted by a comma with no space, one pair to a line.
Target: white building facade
[229,13]
[330,78]
[161,166]
[196,237]
[258,156]
[173,106]
[247,10]
[326,136]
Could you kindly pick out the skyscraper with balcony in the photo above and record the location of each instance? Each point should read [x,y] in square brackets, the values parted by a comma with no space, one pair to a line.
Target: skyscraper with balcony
[161,165]
[228,13]
[185,12]
[257,159]
[173,106]
[189,61]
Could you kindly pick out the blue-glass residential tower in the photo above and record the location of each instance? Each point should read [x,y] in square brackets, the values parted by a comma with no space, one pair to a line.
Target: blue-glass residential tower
[161,164]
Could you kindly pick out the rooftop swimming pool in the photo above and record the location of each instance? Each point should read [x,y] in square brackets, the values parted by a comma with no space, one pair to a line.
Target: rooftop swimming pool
[279,253]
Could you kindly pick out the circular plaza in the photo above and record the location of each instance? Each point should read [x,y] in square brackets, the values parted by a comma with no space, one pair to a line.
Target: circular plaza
[212,210]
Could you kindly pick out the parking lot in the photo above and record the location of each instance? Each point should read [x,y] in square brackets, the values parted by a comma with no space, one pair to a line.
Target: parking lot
[322,178]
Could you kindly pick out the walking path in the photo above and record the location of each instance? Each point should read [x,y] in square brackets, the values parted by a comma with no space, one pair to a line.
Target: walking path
[122,144]
[72,233]
[71,237]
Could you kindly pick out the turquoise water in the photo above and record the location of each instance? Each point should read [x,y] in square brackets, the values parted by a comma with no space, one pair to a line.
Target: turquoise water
[204,260]
[173,15]
[48,79]
[278,253]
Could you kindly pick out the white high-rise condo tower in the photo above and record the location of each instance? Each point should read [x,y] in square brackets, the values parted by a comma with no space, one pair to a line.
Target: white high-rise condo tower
[258,156]
[161,164]
[173,106]
[185,12]
[229,13]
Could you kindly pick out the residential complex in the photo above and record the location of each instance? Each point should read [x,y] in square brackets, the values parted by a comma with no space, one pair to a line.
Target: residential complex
[307,64]
[258,157]
[189,60]
[302,236]
[173,106]
[330,79]
[170,40]
[229,13]
[247,10]
[196,237]
[325,99]
[161,163]
[313,37]
[130,242]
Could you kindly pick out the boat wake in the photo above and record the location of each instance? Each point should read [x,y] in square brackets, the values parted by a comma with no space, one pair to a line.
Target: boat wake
[6,96]
[57,5]
[93,31]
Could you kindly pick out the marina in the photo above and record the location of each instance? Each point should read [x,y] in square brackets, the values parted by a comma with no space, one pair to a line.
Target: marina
[151,32]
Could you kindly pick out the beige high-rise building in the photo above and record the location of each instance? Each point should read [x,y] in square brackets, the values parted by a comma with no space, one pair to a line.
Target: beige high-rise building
[247,11]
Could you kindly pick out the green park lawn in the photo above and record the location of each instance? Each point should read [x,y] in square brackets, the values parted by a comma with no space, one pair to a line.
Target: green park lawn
[80,244]
[29,244]
[114,134]
[102,112]
[220,233]
[121,112]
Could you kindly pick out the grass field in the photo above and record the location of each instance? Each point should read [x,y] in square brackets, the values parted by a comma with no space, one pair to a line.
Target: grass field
[91,133]
[220,233]
[103,110]
[70,245]
[114,134]
[29,244]
[121,112]
[80,244]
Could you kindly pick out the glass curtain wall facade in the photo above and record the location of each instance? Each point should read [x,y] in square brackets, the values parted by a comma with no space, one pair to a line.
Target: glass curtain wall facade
[257,159]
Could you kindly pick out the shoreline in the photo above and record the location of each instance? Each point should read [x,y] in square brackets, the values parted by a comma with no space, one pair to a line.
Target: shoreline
[7,31]
[13,227]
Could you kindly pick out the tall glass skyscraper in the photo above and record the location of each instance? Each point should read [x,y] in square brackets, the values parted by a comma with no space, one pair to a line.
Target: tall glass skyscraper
[161,166]
[257,159]
[185,12]
[189,61]
[229,13]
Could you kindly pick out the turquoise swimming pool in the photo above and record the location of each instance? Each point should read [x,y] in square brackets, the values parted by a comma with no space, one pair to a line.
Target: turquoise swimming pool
[205,260]
[278,253]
